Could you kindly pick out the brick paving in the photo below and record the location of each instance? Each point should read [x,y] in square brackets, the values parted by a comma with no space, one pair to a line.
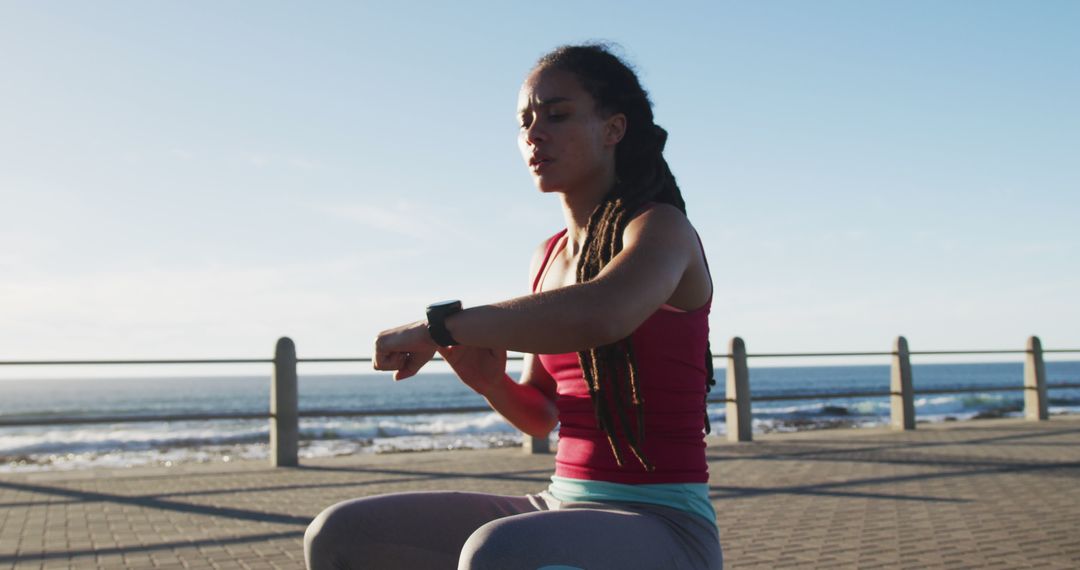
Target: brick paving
[978,494]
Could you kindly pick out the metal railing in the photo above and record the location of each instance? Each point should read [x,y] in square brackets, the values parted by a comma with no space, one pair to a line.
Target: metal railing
[883,393]
[901,392]
[284,412]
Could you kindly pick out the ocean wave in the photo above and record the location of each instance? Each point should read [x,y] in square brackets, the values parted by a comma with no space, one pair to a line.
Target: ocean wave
[174,456]
[131,437]
[146,436]
[169,443]
[454,424]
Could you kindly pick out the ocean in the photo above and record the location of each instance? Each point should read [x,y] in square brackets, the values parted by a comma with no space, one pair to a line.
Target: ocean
[77,446]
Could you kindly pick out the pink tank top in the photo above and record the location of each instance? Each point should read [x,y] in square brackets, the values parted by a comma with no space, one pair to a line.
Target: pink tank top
[670,350]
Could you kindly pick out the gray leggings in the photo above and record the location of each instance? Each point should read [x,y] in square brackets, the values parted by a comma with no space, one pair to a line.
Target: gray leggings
[477,531]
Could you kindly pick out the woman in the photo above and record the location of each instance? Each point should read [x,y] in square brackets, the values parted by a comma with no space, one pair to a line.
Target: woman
[616,342]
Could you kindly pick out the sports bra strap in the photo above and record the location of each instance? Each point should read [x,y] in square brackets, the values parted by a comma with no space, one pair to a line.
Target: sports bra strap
[547,257]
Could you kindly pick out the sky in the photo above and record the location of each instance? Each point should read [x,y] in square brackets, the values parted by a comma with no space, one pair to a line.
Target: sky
[197,179]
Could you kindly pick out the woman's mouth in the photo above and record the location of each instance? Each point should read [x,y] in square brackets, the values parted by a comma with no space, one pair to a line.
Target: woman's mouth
[539,162]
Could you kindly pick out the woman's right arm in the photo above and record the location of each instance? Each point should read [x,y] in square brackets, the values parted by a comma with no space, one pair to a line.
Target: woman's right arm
[658,248]
[529,405]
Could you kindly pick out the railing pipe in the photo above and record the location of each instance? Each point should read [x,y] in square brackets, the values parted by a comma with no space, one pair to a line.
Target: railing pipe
[284,406]
[436,358]
[135,361]
[54,421]
[805,354]
[951,352]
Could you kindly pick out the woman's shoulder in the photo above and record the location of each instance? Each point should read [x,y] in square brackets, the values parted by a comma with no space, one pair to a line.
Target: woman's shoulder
[541,253]
[658,218]
[660,210]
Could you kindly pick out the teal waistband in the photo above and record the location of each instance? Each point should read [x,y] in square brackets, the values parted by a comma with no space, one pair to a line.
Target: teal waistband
[688,497]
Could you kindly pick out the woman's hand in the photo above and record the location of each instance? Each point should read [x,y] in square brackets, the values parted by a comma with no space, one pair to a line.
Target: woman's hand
[405,349]
[482,369]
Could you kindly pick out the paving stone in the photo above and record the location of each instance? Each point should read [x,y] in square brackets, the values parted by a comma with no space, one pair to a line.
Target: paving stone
[978,494]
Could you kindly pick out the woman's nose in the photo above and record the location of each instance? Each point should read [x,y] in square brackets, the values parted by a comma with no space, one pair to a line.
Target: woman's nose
[534,133]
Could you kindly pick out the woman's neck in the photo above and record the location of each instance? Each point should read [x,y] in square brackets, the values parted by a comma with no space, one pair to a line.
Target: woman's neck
[578,206]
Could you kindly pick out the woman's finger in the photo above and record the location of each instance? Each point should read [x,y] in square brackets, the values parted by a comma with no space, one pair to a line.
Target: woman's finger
[412,364]
[403,370]
[390,360]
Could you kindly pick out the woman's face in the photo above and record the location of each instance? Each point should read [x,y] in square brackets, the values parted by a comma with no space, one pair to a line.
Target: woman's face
[565,142]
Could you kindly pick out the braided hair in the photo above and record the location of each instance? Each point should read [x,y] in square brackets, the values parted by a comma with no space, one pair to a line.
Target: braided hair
[642,176]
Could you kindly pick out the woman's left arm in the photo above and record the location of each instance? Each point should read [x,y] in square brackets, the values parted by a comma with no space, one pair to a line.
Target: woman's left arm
[658,247]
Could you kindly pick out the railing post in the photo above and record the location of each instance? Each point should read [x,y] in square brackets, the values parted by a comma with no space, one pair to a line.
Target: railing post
[739,418]
[902,398]
[535,445]
[284,413]
[1035,404]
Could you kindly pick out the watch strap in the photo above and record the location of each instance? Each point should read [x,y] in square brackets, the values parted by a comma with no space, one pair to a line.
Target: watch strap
[436,321]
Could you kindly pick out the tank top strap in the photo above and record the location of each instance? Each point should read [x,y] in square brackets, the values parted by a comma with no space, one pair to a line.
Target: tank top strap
[648,206]
[547,257]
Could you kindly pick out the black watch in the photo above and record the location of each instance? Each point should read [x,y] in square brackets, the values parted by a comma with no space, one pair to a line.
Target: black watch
[436,321]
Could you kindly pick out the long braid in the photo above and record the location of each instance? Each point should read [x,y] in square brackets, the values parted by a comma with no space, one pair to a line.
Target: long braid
[643,176]
[618,397]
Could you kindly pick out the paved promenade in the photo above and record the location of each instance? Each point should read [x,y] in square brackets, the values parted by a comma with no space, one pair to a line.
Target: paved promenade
[979,494]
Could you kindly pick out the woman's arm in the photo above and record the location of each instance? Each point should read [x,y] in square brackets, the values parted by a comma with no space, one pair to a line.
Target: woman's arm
[529,405]
[659,246]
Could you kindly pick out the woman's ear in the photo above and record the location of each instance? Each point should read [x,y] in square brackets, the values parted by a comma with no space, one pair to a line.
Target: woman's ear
[614,129]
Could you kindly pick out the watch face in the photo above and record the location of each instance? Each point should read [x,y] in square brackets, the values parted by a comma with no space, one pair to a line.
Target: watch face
[444,305]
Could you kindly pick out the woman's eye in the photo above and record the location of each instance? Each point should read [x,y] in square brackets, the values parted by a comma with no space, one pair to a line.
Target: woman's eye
[526,122]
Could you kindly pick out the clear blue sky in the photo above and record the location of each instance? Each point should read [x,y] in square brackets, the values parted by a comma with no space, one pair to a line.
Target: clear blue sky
[195,179]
